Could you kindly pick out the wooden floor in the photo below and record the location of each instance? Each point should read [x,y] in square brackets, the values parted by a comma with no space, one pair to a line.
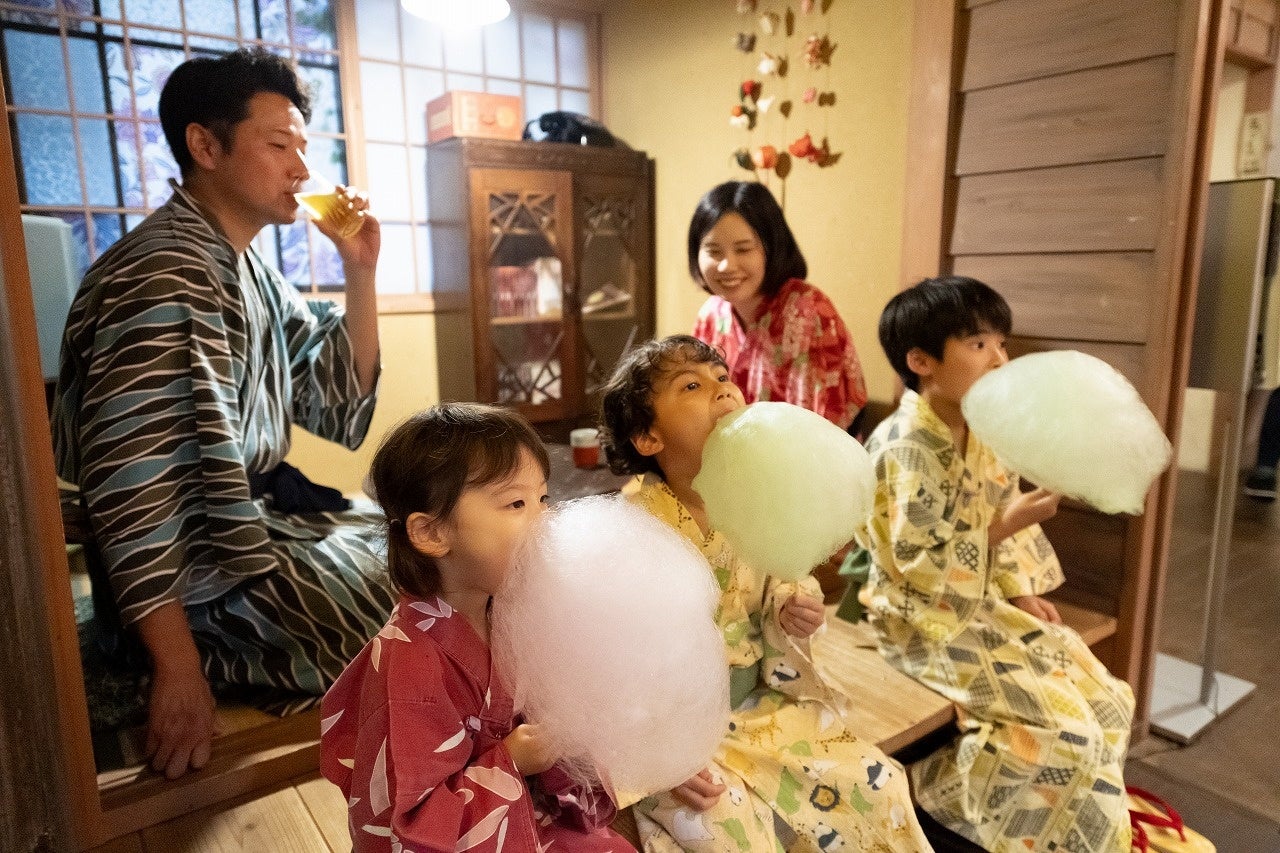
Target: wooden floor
[306,815]
[309,814]
[1237,758]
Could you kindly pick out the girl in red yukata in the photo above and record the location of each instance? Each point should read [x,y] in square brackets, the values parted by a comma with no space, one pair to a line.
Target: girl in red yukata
[419,731]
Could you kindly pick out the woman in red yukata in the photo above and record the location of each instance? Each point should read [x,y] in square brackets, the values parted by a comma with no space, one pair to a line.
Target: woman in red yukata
[419,731]
[780,336]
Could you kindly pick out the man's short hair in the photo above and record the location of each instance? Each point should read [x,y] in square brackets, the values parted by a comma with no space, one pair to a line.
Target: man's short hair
[215,94]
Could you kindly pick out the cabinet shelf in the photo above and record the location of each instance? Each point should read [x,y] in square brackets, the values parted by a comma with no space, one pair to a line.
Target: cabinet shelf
[601,316]
[536,320]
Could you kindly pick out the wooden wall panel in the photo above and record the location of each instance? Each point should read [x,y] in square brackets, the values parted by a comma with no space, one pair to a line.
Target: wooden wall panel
[1088,296]
[1022,39]
[1091,548]
[930,110]
[1085,210]
[1092,207]
[1112,113]
[1129,359]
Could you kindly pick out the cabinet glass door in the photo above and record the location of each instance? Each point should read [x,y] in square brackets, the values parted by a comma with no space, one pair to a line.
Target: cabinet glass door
[612,300]
[527,222]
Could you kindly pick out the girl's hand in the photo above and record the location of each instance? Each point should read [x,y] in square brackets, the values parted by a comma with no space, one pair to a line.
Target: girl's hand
[1041,608]
[530,750]
[801,615]
[699,793]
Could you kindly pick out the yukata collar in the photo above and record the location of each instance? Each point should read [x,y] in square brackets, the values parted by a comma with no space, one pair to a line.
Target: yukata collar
[769,303]
[678,515]
[450,630]
[185,202]
[921,412]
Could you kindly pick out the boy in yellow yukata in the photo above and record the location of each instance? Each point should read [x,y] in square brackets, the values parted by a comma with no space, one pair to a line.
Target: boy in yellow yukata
[788,776]
[958,567]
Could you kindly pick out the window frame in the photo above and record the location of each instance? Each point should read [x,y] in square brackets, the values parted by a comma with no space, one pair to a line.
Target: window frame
[351,134]
[189,43]
[584,12]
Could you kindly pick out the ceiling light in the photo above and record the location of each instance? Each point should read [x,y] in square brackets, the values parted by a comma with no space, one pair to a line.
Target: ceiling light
[456,14]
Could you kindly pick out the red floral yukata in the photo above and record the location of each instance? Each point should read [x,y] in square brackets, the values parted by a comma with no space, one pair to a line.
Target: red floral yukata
[412,733]
[797,351]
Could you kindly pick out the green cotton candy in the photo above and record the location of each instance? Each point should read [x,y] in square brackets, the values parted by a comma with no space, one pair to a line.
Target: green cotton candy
[787,487]
[1070,423]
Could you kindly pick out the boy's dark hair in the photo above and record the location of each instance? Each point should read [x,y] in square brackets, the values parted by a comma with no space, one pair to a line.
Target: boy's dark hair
[215,93]
[934,310]
[425,463]
[752,201]
[626,408]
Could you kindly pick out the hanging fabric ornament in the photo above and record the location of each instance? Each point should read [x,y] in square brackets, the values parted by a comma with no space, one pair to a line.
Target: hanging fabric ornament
[741,117]
[743,158]
[817,51]
[764,103]
[746,7]
[750,89]
[765,157]
[810,95]
[804,147]
[745,42]
[769,65]
[769,22]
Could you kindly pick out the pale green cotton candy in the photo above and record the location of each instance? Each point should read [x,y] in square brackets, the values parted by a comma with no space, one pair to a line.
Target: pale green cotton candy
[1070,423]
[786,486]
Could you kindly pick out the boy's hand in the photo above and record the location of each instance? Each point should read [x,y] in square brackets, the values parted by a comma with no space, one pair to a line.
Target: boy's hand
[801,615]
[1041,608]
[1026,509]
[699,793]
[530,749]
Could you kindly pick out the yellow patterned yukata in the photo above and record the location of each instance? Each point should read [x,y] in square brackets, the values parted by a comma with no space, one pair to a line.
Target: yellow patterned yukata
[797,780]
[1043,726]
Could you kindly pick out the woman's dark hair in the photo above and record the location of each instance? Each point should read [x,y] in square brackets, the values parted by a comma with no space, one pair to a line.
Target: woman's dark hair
[626,408]
[752,201]
[425,463]
[934,310]
[215,94]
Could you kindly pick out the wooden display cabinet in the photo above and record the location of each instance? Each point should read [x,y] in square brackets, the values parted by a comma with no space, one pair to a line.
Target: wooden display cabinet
[543,271]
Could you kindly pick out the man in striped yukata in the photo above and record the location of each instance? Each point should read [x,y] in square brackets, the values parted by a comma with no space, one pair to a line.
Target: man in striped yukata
[185,361]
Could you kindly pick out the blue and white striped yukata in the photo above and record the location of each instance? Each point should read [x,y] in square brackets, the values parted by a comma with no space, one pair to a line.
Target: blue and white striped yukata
[183,367]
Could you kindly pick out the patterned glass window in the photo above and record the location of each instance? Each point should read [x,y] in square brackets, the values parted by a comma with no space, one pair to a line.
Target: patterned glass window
[84,80]
[546,55]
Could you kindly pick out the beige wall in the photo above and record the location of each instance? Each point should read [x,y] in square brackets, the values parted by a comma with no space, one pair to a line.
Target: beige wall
[408,384]
[670,76]
[1228,114]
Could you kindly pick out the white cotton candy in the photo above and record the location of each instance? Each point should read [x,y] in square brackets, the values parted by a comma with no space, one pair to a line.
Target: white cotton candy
[787,487]
[605,633]
[1070,423]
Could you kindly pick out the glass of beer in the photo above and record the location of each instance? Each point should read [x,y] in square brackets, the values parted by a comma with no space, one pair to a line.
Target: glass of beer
[323,201]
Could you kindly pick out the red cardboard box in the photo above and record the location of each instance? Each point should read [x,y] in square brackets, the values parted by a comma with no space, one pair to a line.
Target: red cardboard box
[474,114]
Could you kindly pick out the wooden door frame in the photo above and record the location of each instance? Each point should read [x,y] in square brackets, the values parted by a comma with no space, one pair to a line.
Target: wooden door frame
[48,779]
[930,201]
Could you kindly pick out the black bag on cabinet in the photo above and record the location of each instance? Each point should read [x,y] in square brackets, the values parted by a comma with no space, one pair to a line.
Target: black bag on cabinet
[573,128]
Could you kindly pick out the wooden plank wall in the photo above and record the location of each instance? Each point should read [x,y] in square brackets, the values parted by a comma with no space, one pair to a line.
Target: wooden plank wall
[1064,127]
[1073,153]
